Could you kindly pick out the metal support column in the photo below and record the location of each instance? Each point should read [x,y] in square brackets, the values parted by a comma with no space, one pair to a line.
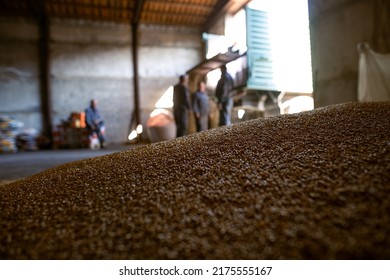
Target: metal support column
[136,116]
[44,76]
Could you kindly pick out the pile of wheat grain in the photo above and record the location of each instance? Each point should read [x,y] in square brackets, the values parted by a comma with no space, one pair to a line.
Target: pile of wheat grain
[310,185]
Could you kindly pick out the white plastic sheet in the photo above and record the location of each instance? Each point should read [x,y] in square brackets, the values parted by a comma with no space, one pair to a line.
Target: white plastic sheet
[374,75]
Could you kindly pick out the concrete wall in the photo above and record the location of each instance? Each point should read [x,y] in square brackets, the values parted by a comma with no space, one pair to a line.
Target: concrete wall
[19,86]
[92,60]
[337,26]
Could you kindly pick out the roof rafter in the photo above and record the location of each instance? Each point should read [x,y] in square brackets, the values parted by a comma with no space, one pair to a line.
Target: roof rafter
[214,15]
[199,13]
[138,11]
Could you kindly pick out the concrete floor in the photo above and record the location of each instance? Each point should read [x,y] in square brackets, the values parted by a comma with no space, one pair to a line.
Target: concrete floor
[23,164]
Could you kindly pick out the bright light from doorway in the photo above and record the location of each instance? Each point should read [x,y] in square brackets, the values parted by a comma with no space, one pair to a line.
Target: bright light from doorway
[290,43]
[139,129]
[240,113]
[133,135]
[298,104]
[166,100]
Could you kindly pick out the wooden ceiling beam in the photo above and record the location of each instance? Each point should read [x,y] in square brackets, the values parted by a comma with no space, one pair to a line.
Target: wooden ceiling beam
[138,11]
[235,5]
[202,14]
[191,12]
[38,9]
[218,10]
[172,14]
[206,8]
[172,20]
[91,6]
[112,11]
[221,8]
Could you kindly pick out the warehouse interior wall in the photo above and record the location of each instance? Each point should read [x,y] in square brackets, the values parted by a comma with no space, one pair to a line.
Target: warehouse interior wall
[91,60]
[19,72]
[336,28]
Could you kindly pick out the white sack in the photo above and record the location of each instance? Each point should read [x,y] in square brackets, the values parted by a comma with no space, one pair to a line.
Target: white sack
[374,75]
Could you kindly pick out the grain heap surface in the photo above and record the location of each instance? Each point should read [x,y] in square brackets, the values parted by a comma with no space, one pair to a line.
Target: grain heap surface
[313,185]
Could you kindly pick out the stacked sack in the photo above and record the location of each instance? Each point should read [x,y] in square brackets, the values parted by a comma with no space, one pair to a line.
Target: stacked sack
[8,131]
[26,140]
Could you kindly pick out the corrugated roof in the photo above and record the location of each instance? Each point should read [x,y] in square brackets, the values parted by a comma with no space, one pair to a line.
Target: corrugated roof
[194,13]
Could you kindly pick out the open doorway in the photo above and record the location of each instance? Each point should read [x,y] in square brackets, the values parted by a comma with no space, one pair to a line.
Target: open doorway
[274,36]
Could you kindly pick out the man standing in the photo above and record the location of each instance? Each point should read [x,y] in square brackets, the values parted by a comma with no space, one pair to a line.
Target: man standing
[201,107]
[225,100]
[94,121]
[181,105]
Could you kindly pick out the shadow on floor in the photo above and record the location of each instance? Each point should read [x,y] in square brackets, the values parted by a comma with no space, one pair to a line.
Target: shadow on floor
[23,164]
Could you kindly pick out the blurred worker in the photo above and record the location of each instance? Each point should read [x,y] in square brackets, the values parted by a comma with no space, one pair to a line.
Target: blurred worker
[181,105]
[201,107]
[225,100]
[95,122]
